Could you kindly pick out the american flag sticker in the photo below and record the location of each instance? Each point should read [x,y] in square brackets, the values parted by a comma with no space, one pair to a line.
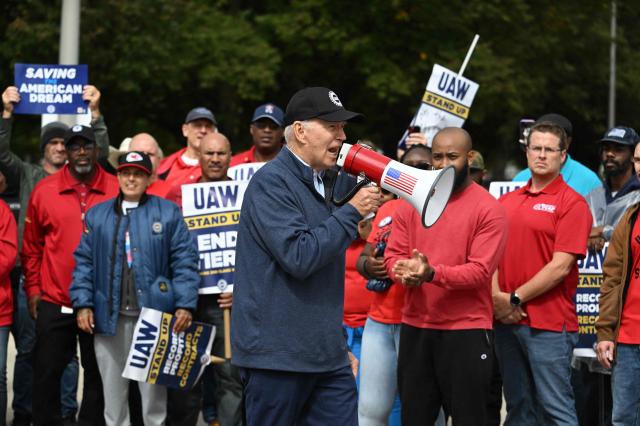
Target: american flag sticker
[401,181]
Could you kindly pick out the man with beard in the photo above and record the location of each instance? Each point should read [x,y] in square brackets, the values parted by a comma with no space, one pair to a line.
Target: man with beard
[535,286]
[620,187]
[446,335]
[53,226]
[266,133]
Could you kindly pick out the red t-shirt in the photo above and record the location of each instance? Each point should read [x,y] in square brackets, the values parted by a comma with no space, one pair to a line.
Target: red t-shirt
[464,247]
[556,219]
[159,188]
[629,323]
[356,296]
[386,307]
[176,172]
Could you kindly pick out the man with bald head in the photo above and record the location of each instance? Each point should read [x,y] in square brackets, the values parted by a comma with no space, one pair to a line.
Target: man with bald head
[446,335]
[144,142]
[184,406]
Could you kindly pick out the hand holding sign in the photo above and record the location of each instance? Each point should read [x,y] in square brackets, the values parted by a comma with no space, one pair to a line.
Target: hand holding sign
[183,320]
[91,94]
[10,97]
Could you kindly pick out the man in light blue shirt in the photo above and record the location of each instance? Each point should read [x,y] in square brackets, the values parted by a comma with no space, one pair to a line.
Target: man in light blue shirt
[579,177]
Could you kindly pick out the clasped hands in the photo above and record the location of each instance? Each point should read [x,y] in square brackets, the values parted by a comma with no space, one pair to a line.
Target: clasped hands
[414,271]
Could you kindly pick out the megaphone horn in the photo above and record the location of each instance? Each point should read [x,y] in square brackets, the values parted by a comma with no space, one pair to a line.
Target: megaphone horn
[428,191]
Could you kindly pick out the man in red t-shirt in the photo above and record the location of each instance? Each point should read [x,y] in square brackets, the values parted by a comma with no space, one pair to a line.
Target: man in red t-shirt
[535,285]
[618,325]
[446,352]
[266,135]
[183,166]
[146,143]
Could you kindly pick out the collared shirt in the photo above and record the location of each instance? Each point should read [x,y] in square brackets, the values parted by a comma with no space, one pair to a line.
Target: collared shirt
[555,219]
[317,175]
[53,227]
[176,172]
[579,177]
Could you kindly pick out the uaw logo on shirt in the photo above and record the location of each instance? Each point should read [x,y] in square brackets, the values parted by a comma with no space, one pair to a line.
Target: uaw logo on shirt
[334,98]
[542,207]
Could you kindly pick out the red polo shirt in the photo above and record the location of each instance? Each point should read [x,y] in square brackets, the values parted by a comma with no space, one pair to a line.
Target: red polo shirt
[176,172]
[53,226]
[159,188]
[630,320]
[386,307]
[248,156]
[556,219]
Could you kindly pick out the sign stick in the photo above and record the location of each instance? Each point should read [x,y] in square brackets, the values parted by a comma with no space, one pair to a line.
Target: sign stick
[469,53]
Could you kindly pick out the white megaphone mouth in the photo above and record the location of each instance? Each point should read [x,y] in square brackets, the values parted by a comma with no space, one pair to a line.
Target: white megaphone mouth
[439,194]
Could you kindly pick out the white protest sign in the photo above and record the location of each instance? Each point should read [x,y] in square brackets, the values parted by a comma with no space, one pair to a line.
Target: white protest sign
[243,172]
[498,189]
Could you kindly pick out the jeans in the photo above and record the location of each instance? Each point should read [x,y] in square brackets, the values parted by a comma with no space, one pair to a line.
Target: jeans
[379,402]
[4,337]
[625,385]
[23,329]
[536,373]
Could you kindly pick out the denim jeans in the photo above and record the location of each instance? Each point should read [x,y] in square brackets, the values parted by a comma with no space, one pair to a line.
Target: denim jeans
[4,337]
[536,373]
[379,403]
[625,385]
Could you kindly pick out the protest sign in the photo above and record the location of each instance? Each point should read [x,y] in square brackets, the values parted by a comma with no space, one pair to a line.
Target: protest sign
[50,89]
[212,213]
[588,291]
[243,172]
[446,102]
[160,356]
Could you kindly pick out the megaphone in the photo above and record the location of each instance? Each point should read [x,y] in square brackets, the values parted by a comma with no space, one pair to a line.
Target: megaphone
[428,191]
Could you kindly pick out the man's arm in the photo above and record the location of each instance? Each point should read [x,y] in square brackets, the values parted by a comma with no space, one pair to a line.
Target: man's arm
[552,274]
[82,286]
[92,95]
[32,252]
[12,163]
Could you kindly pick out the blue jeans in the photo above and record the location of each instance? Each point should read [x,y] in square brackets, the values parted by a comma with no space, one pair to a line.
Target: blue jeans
[4,338]
[23,329]
[625,385]
[536,374]
[379,402]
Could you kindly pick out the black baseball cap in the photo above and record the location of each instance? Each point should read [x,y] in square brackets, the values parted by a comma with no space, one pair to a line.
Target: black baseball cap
[317,102]
[558,120]
[201,112]
[622,135]
[79,131]
[136,159]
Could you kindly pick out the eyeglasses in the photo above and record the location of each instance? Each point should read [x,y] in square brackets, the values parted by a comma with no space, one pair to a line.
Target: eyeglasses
[264,124]
[76,146]
[538,150]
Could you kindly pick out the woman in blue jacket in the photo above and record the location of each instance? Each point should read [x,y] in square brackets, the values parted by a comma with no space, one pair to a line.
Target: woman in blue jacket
[136,252]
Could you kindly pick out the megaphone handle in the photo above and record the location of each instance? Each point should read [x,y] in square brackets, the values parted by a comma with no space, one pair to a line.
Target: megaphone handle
[349,196]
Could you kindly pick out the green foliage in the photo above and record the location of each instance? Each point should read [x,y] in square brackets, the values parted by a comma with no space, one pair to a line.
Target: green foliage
[153,60]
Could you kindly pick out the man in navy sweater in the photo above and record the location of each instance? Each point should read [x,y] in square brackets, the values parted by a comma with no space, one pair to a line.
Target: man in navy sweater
[289,283]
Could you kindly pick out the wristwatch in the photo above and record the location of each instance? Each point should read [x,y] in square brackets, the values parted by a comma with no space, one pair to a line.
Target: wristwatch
[515,300]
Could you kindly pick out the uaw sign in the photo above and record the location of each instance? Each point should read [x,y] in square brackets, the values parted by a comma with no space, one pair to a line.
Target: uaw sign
[243,172]
[50,89]
[589,280]
[159,356]
[446,102]
[212,213]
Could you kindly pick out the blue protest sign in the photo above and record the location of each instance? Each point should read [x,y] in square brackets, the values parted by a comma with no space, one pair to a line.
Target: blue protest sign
[50,89]
[159,356]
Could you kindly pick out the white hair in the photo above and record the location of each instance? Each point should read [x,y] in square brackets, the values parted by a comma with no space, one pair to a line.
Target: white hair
[288,131]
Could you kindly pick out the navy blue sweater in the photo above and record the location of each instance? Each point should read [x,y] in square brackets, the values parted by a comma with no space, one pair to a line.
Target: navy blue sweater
[289,277]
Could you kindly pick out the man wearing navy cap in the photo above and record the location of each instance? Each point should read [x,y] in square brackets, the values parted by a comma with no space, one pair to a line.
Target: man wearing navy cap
[286,327]
[183,166]
[266,133]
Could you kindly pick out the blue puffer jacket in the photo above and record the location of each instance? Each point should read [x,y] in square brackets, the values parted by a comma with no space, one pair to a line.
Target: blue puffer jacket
[165,262]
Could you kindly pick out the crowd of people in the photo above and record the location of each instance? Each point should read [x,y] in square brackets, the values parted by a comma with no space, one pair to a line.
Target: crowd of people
[341,314]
